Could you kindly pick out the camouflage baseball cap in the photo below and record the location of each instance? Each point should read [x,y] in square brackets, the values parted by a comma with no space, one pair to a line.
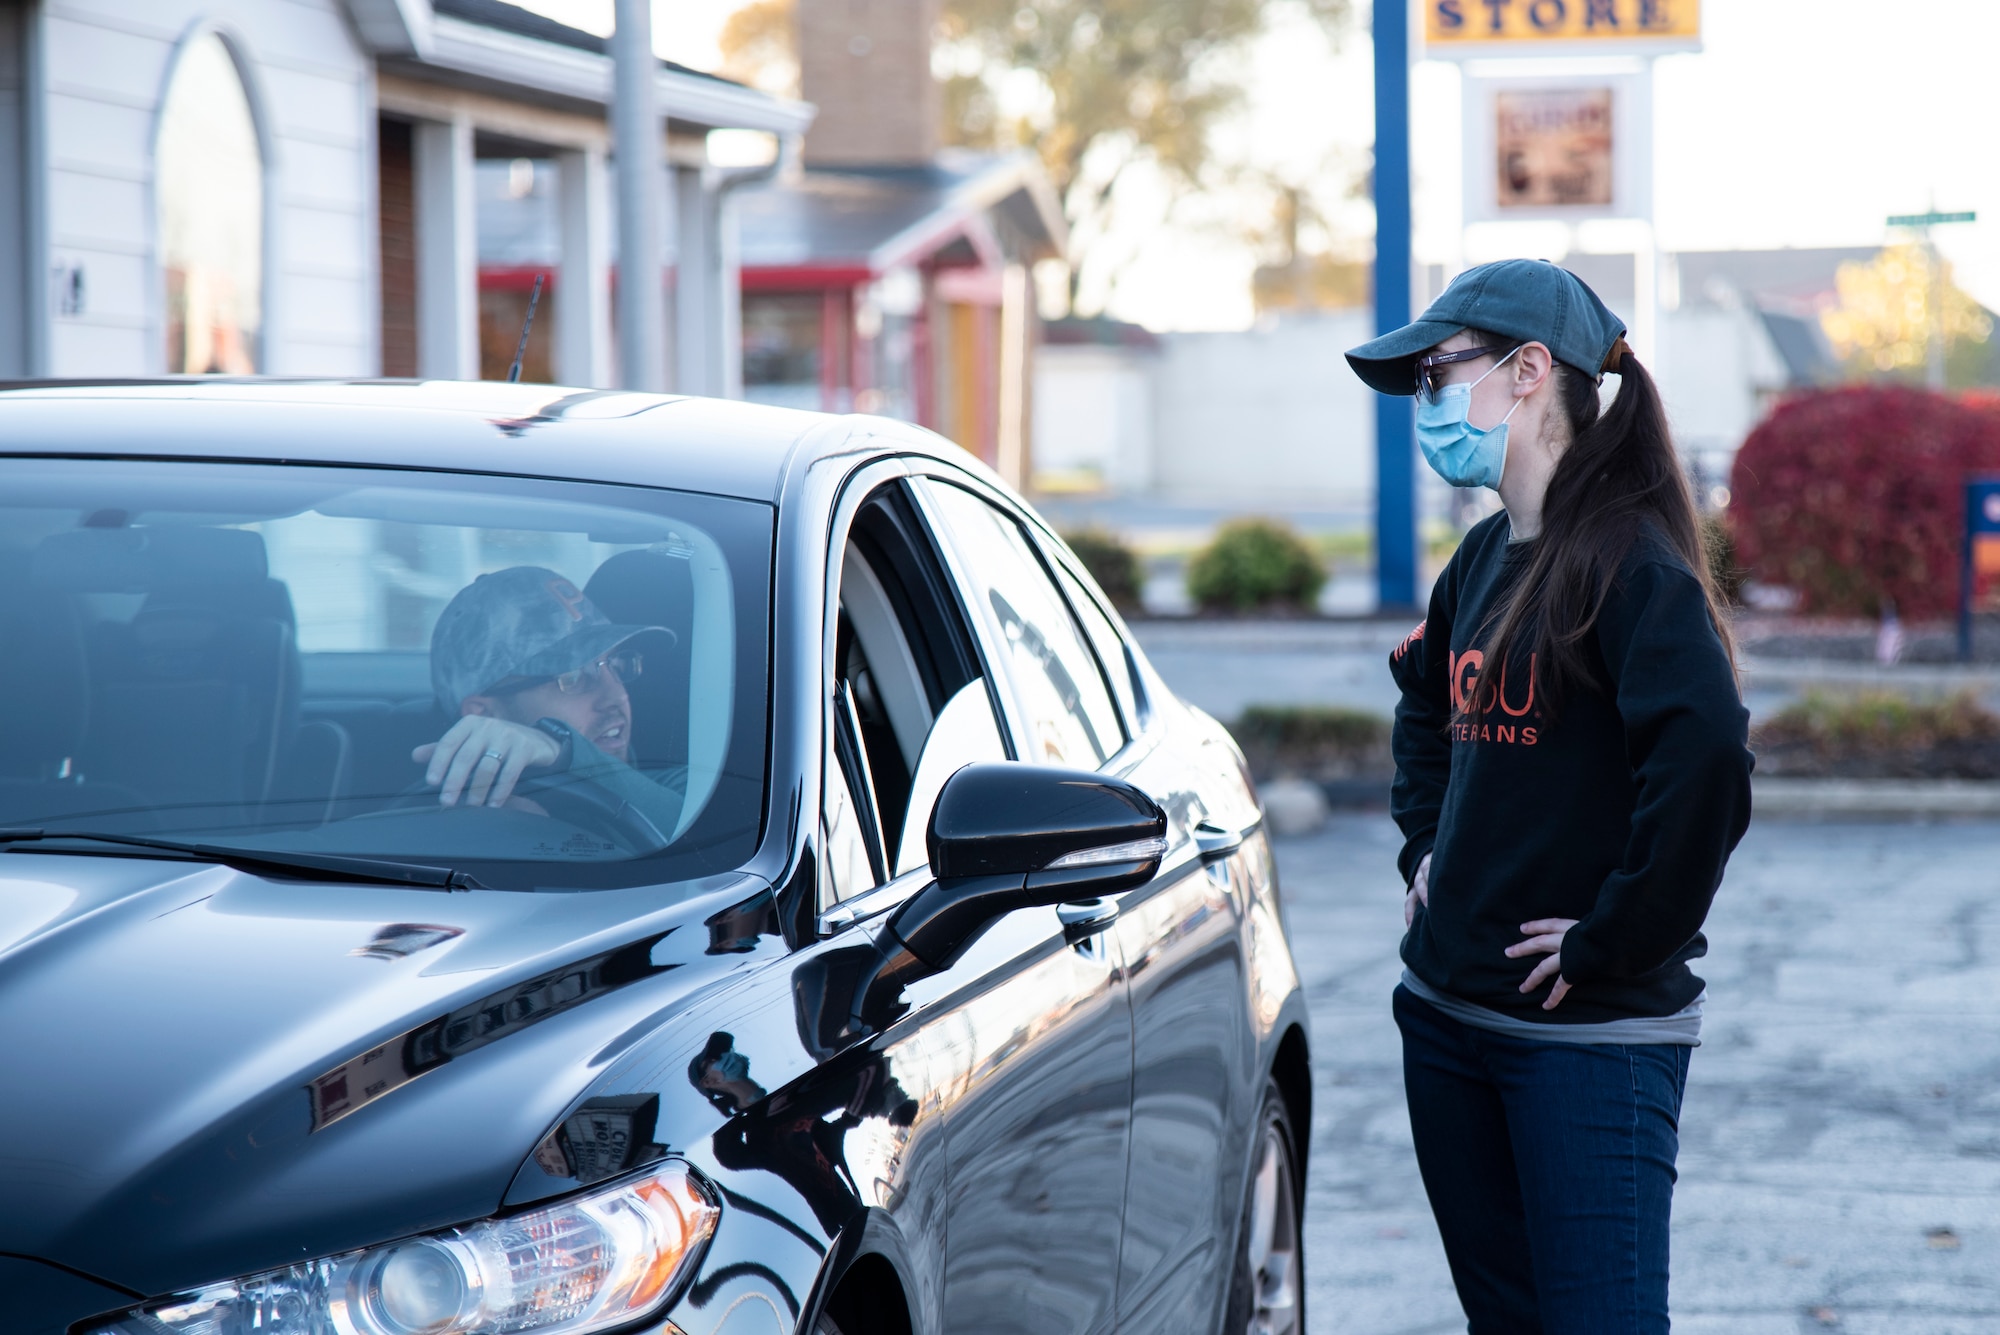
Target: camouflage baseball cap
[526,621]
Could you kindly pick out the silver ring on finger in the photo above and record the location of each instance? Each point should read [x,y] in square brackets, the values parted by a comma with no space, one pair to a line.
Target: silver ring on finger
[493,755]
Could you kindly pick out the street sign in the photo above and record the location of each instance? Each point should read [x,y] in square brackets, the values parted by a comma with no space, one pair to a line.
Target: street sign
[1931,219]
[1472,29]
[1981,559]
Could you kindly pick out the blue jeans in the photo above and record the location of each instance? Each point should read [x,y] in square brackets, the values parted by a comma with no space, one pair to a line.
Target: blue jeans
[1550,1168]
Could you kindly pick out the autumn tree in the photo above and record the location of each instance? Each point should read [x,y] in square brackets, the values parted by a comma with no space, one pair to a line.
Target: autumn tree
[1101,87]
[760,46]
[1096,87]
[1887,308]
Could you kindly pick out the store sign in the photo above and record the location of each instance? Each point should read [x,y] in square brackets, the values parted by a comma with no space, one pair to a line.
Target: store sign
[1552,148]
[1454,28]
[1556,147]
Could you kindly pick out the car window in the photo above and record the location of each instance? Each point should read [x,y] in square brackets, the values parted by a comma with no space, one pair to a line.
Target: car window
[908,704]
[849,866]
[250,655]
[1104,638]
[965,733]
[1063,705]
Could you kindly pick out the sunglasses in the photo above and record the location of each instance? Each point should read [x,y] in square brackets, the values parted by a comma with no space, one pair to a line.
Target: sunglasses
[1430,381]
[623,667]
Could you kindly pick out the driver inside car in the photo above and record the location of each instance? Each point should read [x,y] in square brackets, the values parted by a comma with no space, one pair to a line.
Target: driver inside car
[535,676]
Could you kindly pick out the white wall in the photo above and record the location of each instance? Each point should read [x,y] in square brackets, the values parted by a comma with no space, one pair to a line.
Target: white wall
[106,65]
[1093,410]
[1270,416]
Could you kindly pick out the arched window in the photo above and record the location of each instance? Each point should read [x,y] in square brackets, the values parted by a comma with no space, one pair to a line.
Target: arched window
[210,186]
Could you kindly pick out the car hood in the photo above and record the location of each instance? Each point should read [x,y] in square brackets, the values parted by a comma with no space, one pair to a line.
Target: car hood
[208,1072]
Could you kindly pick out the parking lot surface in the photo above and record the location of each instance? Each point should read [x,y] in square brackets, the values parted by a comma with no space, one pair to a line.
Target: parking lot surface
[1840,1160]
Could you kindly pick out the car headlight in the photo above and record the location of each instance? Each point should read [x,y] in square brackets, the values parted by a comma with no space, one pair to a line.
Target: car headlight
[587,1263]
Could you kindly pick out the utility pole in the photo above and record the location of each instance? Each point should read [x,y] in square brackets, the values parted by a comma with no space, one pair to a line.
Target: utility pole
[1922,224]
[1395,414]
[635,136]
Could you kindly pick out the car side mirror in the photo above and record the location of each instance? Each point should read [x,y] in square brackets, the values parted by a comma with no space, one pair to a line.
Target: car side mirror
[1009,836]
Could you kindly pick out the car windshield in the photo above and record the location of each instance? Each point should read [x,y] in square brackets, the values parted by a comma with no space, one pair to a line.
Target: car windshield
[273,657]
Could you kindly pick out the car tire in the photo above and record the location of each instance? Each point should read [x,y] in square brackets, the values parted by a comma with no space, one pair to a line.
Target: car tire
[1267,1285]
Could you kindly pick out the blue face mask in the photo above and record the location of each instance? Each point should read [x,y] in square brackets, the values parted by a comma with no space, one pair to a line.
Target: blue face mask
[1459,452]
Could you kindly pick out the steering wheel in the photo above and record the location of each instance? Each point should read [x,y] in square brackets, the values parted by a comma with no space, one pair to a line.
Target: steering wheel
[584,802]
[573,798]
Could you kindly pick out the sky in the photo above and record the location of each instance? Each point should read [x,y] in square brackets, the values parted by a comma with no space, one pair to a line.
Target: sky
[1797,124]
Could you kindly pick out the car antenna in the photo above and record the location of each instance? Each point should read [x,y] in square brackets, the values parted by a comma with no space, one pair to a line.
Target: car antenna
[521,348]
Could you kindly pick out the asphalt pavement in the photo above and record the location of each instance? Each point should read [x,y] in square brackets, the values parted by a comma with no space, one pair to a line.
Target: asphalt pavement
[1840,1161]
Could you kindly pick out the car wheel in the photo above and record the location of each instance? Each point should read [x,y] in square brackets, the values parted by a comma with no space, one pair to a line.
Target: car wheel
[1267,1288]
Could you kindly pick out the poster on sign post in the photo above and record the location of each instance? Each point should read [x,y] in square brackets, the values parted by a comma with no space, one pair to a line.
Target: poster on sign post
[1552,147]
[1567,147]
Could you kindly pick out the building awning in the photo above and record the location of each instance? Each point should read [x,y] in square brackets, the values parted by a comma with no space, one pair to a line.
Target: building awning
[495,47]
[852,224]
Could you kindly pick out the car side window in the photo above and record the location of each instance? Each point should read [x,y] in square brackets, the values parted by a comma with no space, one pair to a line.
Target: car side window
[910,705]
[1062,700]
[1110,646]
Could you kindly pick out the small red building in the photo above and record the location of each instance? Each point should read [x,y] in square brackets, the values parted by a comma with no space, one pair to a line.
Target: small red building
[901,290]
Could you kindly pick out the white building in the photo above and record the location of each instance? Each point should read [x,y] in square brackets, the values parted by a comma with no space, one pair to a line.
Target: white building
[1271,419]
[287,186]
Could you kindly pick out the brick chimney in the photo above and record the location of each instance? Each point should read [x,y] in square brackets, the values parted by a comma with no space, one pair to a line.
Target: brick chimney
[867,65]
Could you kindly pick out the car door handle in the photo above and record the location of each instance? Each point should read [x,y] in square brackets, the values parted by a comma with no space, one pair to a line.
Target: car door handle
[1082,918]
[1214,842]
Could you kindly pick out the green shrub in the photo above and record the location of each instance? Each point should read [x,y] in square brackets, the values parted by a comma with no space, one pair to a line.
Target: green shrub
[1113,564]
[1255,564]
[1879,721]
[1313,741]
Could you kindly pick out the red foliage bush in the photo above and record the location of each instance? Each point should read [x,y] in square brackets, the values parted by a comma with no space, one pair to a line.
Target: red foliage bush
[1852,496]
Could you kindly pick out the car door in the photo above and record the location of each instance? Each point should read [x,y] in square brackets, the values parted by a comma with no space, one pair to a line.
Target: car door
[1027,1036]
[1195,1085]
[1038,1142]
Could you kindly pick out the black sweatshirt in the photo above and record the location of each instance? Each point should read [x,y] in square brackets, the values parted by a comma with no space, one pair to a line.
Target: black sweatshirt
[1620,812]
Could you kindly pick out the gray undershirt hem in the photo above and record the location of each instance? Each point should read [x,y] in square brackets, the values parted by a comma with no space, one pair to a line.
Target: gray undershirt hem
[1682,1028]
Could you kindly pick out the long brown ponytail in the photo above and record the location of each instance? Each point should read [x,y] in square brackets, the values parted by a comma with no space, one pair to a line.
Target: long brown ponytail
[1618,471]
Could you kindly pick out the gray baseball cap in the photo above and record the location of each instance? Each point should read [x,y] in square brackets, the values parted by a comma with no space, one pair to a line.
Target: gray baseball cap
[526,621]
[1523,299]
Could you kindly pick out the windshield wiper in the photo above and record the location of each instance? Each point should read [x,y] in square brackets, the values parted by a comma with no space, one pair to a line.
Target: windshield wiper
[323,865]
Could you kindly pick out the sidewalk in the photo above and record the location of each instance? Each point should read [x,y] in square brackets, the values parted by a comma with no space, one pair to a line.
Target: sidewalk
[1840,1164]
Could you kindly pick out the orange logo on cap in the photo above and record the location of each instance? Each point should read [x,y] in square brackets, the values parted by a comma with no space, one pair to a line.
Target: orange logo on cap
[569,596]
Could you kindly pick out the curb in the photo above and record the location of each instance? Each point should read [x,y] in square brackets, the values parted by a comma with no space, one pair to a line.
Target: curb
[1910,798]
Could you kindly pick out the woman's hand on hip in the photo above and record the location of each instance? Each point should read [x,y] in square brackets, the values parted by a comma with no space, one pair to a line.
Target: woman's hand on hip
[1545,937]
[1420,891]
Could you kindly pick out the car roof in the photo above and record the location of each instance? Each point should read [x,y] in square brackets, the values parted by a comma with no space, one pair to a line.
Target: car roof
[693,444]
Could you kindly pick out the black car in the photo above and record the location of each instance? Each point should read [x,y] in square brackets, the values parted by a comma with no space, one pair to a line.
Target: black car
[951,991]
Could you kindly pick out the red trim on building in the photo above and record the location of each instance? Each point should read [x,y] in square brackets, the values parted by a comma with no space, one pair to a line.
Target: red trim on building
[517,277]
[804,277]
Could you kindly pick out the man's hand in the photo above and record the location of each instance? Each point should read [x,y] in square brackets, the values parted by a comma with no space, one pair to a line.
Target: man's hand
[482,757]
[1545,937]
[1420,891]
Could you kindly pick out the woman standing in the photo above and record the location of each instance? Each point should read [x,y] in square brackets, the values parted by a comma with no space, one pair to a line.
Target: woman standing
[1571,776]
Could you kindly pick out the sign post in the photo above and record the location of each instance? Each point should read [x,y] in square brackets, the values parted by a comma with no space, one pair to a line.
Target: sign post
[1395,414]
[1922,223]
[1981,555]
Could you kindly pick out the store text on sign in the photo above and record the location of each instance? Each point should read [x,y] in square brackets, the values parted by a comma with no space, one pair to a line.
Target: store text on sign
[1540,22]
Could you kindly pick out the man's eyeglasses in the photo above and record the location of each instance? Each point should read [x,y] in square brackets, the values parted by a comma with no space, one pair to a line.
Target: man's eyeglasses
[623,667]
[1430,379]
